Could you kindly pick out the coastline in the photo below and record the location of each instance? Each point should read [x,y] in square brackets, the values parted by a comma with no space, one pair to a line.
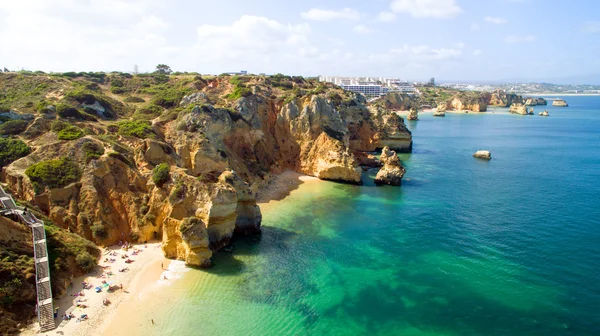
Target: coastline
[280,186]
[145,277]
[142,272]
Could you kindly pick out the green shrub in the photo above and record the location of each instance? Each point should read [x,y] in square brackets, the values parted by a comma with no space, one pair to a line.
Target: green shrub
[11,150]
[92,151]
[53,173]
[137,128]
[147,112]
[70,133]
[239,92]
[133,99]
[117,90]
[57,126]
[168,98]
[86,262]
[99,231]
[13,127]
[160,174]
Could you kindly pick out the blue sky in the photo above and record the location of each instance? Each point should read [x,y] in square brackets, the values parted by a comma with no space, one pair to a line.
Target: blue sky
[410,39]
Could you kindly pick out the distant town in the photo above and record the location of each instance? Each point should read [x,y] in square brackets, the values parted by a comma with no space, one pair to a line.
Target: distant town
[378,86]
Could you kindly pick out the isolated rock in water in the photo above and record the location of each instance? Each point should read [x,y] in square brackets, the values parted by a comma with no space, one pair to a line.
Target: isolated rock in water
[518,109]
[439,114]
[392,171]
[531,111]
[483,154]
[545,113]
[413,115]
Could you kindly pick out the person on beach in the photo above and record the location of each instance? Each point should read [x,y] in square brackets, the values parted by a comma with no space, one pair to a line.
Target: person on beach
[152,321]
[161,266]
[121,286]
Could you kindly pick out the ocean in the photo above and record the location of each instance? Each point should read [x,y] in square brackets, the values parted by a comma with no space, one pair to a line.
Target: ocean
[509,246]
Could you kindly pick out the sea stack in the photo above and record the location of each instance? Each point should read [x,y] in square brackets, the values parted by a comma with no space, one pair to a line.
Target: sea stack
[439,114]
[413,115]
[483,154]
[392,171]
[560,103]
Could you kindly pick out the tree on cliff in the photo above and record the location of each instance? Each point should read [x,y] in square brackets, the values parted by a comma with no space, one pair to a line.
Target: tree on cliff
[163,69]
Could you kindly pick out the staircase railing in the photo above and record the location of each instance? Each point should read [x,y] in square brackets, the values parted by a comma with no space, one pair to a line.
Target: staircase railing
[45,304]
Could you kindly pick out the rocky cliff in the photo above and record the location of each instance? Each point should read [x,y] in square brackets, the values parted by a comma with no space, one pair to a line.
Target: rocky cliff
[503,99]
[180,159]
[465,101]
[392,171]
[535,101]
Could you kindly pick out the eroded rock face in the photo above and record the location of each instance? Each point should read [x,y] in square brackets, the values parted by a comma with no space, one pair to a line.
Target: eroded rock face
[217,157]
[413,115]
[518,109]
[503,99]
[392,171]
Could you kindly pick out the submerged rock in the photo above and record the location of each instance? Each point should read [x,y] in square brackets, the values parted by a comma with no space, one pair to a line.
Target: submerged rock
[483,154]
[392,171]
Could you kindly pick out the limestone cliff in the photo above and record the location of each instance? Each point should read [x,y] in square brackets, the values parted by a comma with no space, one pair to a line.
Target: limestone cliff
[392,171]
[503,99]
[535,101]
[518,108]
[182,164]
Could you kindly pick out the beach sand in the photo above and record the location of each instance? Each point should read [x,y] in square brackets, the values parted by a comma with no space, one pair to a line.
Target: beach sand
[281,186]
[144,277]
[144,271]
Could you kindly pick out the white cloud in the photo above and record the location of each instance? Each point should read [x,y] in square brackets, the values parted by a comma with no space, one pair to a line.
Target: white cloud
[438,9]
[263,45]
[95,35]
[477,52]
[519,38]
[362,29]
[316,14]
[495,20]
[386,16]
[592,27]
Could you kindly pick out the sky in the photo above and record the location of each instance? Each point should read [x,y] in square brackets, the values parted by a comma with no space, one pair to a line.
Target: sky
[452,40]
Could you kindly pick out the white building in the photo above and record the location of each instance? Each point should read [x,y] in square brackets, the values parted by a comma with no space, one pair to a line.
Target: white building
[370,86]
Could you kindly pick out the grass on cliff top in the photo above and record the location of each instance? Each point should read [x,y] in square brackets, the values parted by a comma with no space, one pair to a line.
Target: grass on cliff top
[53,173]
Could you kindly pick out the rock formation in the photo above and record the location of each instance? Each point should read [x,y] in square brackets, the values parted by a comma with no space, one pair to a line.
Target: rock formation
[518,108]
[413,115]
[439,113]
[560,103]
[219,149]
[544,113]
[483,154]
[392,171]
[535,101]
[503,99]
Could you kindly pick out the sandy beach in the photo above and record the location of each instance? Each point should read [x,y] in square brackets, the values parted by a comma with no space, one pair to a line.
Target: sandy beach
[134,277]
[143,277]
[281,186]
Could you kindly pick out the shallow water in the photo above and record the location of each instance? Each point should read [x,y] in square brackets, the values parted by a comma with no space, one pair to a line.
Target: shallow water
[464,247]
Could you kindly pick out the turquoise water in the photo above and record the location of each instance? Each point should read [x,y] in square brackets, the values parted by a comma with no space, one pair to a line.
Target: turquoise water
[464,247]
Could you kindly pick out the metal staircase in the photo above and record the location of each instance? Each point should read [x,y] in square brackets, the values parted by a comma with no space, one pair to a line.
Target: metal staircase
[45,306]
